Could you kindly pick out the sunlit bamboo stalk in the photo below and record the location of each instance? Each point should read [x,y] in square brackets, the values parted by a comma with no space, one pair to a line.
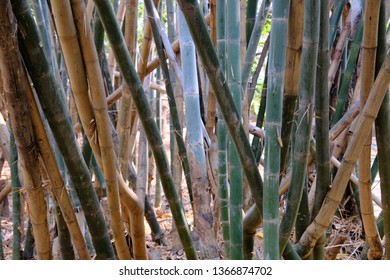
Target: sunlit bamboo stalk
[369,45]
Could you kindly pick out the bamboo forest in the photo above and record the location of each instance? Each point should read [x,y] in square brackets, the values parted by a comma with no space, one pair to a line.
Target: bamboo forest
[194,129]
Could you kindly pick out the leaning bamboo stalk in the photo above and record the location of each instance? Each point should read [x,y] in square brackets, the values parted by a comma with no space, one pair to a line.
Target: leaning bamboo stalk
[334,196]
[57,183]
[5,192]
[251,51]
[167,46]
[133,81]
[120,15]
[348,73]
[369,45]
[338,51]
[50,93]
[355,180]
[99,105]
[302,133]
[338,7]
[14,90]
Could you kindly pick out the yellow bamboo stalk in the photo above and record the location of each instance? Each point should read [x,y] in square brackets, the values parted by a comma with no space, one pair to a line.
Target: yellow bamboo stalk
[334,196]
[338,51]
[211,102]
[369,45]
[120,15]
[57,184]
[124,114]
[104,137]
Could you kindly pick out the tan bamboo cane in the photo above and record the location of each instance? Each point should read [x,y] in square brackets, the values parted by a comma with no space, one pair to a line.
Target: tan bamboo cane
[369,45]
[99,105]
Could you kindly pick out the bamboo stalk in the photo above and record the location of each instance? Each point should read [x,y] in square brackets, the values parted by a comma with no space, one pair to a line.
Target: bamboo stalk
[323,179]
[250,18]
[222,135]
[124,113]
[127,69]
[196,153]
[16,201]
[273,126]
[108,157]
[338,7]
[14,90]
[120,16]
[50,93]
[338,51]
[302,135]
[292,75]
[233,78]
[334,196]
[251,51]
[369,45]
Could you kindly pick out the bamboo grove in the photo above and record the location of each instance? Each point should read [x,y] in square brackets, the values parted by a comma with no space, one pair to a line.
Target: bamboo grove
[260,128]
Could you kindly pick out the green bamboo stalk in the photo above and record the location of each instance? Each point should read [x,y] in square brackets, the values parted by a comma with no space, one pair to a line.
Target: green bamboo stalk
[51,98]
[216,76]
[14,95]
[171,99]
[64,239]
[322,119]
[233,77]
[338,7]
[383,134]
[252,47]
[251,8]
[305,114]
[273,124]
[222,135]
[348,73]
[129,74]
[334,196]
[252,84]
[196,153]
[256,143]
[16,219]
